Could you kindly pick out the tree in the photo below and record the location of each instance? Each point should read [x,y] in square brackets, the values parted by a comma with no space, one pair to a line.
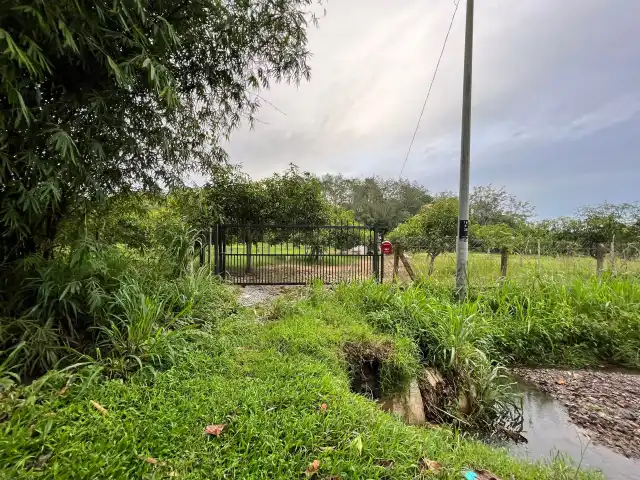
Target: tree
[433,229]
[491,206]
[497,236]
[98,96]
[602,223]
[375,201]
[288,198]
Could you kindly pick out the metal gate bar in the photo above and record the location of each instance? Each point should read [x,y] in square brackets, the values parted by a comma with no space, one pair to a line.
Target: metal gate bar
[297,254]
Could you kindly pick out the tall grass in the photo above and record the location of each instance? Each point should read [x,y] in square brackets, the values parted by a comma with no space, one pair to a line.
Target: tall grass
[553,320]
[103,302]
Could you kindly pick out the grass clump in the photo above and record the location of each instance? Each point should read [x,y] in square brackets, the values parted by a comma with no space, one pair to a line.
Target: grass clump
[281,389]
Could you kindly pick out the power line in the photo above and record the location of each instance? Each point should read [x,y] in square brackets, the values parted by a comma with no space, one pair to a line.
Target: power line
[268,102]
[430,87]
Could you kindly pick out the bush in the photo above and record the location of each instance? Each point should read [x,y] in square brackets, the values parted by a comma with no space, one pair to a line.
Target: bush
[102,301]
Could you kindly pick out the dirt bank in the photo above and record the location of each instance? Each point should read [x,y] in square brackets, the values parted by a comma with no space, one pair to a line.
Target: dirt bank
[605,404]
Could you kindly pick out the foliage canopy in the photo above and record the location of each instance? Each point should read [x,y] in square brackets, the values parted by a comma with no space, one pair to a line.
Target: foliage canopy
[98,97]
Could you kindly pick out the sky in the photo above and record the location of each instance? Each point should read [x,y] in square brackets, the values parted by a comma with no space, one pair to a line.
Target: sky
[555,108]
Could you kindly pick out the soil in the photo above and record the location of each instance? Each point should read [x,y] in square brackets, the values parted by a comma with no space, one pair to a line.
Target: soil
[606,404]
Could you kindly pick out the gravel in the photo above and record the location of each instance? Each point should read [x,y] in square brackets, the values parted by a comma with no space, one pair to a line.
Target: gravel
[253,295]
[605,403]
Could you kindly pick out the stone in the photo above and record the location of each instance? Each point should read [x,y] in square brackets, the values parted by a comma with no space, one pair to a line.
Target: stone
[407,405]
[432,377]
[464,404]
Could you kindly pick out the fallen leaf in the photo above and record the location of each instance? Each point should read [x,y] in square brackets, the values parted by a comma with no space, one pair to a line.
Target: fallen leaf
[323,407]
[313,468]
[63,390]
[214,429]
[152,461]
[561,381]
[486,475]
[427,465]
[99,407]
[384,463]
[480,475]
[327,449]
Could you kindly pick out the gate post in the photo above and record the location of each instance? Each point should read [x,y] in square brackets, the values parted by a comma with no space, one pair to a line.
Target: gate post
[376,257]
[381,258]
[216,252]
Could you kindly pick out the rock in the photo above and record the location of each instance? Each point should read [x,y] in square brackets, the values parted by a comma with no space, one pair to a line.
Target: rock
[432,377]
[464,404]
[408,405]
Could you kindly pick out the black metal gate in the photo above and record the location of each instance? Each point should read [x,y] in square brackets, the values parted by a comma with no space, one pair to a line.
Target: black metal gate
[297,254]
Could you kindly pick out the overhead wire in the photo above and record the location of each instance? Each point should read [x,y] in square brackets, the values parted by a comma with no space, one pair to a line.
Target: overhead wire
[435,72]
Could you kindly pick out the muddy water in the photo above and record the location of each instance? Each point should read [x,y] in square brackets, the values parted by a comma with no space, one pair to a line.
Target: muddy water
[550,432]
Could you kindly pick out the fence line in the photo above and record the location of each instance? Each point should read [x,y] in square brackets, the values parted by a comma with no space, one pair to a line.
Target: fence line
[530,257]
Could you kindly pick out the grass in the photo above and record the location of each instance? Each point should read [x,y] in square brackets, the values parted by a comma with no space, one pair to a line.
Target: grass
[266,382]
[484,269]
[554,321]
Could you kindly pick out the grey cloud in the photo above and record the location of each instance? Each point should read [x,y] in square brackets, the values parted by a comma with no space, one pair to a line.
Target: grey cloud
[549,76]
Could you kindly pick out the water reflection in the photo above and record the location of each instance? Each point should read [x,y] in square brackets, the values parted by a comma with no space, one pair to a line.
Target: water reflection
[549,431]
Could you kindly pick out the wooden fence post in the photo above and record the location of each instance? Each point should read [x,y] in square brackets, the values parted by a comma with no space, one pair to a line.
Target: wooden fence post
[396,262]
[504,260]
[407,266]
[600,253]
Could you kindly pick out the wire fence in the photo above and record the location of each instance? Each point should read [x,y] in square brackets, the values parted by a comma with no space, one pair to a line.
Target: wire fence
[529,258]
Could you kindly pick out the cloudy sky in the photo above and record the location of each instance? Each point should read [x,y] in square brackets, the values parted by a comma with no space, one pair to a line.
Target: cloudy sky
[556,99]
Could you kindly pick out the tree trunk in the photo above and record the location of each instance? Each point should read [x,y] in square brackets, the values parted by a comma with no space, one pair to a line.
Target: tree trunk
[432,263]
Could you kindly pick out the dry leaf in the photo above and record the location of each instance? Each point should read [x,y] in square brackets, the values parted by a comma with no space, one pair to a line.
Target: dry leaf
[63,390]
[152,461]
[487,475]
[427,465]
[561,381]
[384,463]
[214,429]
[99,407]
[313,468]
[323,407]
[480,475]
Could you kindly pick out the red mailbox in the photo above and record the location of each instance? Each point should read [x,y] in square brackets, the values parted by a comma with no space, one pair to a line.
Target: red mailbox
[386,247]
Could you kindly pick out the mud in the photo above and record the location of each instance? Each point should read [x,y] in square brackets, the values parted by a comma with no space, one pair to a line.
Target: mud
[606,404]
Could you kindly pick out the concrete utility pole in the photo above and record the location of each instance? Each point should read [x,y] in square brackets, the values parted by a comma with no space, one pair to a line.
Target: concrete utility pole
[462,249]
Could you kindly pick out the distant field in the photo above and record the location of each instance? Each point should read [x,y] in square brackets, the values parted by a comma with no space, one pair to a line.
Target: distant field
[485,268]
